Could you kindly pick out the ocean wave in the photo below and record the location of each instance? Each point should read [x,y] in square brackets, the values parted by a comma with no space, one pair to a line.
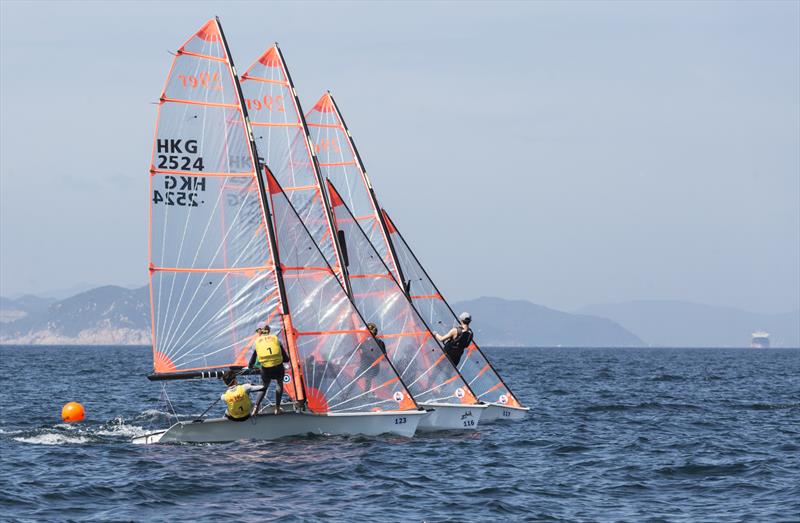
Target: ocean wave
[53,439]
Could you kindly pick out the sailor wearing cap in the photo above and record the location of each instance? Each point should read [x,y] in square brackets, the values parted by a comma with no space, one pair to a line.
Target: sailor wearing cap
[457,339]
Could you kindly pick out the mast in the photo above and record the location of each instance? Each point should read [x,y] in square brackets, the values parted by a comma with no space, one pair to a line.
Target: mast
[288,329]
[372,196]
[317,174]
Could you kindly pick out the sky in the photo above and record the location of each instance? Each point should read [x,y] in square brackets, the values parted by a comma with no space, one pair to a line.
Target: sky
[563,153]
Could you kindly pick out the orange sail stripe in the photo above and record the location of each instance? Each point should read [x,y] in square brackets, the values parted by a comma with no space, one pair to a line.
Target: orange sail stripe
[337,164]
[404,334]
[305,268]
[209,269]
[194,102]
[270,124]
[264,80]
[325,125]
[385,275]
[203,56]
[154,170]
[426,297]
[322,333]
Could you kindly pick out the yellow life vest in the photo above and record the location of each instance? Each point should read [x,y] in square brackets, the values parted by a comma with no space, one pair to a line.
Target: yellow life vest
[268,349]
[238,400]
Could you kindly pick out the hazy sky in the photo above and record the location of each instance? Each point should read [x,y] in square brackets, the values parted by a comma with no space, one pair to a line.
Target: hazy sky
[566,153]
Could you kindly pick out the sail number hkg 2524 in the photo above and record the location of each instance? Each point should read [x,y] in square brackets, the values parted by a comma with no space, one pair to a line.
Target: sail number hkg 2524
[185,158]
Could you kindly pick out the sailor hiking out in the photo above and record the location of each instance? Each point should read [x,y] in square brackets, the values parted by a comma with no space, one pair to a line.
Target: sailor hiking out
[458,339]
[270,356]
[237,397]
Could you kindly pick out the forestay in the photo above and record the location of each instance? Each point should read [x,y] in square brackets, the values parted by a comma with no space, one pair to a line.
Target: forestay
[211,275]
[423,366]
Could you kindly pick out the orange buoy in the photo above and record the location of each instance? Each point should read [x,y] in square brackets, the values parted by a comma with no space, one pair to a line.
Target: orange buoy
[73,412]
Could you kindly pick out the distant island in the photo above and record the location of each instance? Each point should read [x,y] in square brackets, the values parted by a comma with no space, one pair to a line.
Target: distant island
[112,315]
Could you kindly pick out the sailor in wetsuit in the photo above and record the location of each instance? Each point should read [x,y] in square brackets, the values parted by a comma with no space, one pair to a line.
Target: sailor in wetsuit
[457,339]
[237,397]
[369,355]
[271,356]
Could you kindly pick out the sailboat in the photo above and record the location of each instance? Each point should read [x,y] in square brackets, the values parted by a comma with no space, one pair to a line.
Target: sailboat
[342,163]
[228,252]
[283,139]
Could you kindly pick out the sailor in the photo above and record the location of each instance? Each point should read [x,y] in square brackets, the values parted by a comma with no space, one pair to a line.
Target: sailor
[271,356]
[457,339]
[237,397]
[369,355]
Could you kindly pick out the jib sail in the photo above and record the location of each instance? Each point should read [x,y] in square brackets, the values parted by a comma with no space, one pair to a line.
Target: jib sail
[428,373]
[428,301]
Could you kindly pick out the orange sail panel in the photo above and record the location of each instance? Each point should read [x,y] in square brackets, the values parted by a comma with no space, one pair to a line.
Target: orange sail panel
[212,277]
[423,366]
[428,301]
[282,142]
[343,367]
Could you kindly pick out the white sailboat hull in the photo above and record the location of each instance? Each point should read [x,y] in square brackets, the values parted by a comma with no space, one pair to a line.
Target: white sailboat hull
[270,426]
[446,416]
[497,411]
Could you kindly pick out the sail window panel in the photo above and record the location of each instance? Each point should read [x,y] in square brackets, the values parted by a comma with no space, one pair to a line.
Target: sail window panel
[201,139]
[205,320]
[283,149]
[201,222]
[201,80]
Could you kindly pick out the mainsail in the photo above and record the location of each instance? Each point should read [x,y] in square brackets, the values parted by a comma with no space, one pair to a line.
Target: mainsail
[219,247]
[341,162]
[282,141]
[426,370]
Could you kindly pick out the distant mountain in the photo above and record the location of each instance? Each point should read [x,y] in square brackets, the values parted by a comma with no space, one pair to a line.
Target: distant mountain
[522,323]
[105,315]
[17,308]
[685,324]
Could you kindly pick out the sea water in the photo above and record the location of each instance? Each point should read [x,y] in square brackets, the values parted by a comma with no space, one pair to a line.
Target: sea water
[613,434]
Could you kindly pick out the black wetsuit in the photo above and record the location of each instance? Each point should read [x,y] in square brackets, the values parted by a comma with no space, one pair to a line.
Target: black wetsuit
[454,347]
[368,357]
[268,374]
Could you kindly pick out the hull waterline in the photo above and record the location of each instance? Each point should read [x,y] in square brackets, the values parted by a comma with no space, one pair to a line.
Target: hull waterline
[445,416]
[270,426]
[497,411]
